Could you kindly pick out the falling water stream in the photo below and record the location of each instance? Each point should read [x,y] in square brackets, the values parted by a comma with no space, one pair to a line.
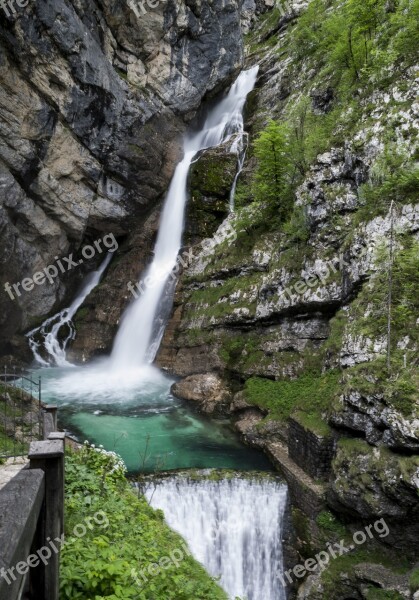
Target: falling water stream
[232,526]
[46,337]
[225,120]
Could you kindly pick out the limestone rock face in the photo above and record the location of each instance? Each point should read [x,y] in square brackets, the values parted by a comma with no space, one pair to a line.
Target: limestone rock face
[381,424]
[93,104]
[211,180]
[290,301]
[207,390]
[373,481]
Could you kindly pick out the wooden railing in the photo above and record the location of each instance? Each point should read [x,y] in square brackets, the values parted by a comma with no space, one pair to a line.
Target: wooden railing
[32,520]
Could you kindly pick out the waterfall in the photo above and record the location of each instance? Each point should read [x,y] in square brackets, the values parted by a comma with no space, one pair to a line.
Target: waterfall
[233,527]
[142,327]
[50,329]
[239,147]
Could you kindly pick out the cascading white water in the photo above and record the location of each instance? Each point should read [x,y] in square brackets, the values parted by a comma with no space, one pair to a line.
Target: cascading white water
[49,330]
[239,147]
[134,344]
[233,527]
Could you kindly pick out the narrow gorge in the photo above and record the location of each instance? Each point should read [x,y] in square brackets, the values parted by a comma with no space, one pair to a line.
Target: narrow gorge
[209,229]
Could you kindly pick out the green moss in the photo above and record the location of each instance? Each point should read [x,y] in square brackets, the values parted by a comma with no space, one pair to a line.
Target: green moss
[332,347]
[302,529]
[122,74]
[308,397]
[81,315]
[329,523]
[345,565]
[378,594]
[394,177]
[398,389]
[312,421]
[213,174]
[15,404]
[414,581]
[213,300]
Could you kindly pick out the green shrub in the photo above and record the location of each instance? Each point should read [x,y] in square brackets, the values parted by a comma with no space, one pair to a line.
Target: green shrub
[308,397]
[107,562]
[327,521]
[272,177]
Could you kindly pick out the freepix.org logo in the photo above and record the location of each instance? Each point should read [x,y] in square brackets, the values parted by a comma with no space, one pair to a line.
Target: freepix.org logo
[8,6]
[140,6]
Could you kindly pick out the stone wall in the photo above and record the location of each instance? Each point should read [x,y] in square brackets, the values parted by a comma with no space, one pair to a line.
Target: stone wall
[310,451]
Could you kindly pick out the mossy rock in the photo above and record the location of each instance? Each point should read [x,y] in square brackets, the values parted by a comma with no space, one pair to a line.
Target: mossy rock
[210,181]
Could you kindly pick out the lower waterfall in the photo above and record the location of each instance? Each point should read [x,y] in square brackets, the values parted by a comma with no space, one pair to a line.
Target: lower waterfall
[233,527]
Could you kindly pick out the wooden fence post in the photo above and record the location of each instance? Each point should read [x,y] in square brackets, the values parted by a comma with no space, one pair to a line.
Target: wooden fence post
[49,457]
[49,420]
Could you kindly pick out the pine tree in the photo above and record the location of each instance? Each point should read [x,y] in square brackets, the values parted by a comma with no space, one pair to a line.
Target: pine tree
[272,178]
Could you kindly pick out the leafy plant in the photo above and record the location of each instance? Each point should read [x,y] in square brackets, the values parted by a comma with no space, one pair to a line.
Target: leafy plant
[113,563]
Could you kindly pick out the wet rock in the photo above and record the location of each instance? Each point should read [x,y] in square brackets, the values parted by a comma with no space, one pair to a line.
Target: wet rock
[211,180]
[208,391]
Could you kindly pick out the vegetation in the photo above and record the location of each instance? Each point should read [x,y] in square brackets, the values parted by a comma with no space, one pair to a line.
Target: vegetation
[330,524]
[107,562]
[357,39]
[347,563]
[379,594]
[272,181]
[307,398]
[398,389]
[18,420]
[414,580]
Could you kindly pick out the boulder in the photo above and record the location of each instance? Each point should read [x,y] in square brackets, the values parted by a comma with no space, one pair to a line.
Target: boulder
[208,391]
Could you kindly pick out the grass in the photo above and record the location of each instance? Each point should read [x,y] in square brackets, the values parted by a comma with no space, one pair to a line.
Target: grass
[414,581]
[308,398]
[18,403]
[330,524]
[108,560]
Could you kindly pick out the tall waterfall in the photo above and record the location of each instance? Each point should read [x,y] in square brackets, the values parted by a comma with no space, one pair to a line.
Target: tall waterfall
[233,527]
[140,333]
[47,335]
[239,147]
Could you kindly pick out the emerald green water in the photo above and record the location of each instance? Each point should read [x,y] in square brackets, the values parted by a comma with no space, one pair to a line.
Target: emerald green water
[138,417]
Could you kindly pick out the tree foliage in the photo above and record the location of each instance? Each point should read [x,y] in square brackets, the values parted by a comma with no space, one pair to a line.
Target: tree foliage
[272,178]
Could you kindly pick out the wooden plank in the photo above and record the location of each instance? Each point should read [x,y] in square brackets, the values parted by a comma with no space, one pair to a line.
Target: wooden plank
[46,449]
[49,456]
[21,502]
[47,424]
[52,409]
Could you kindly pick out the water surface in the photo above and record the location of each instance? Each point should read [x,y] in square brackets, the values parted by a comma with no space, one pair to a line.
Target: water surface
[138,417]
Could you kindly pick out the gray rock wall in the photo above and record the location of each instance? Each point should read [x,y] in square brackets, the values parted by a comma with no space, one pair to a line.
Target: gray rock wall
[93,104]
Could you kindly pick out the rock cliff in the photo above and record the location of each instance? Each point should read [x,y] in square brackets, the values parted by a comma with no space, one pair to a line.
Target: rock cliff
[298,318]
[311,321]
[94,99]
